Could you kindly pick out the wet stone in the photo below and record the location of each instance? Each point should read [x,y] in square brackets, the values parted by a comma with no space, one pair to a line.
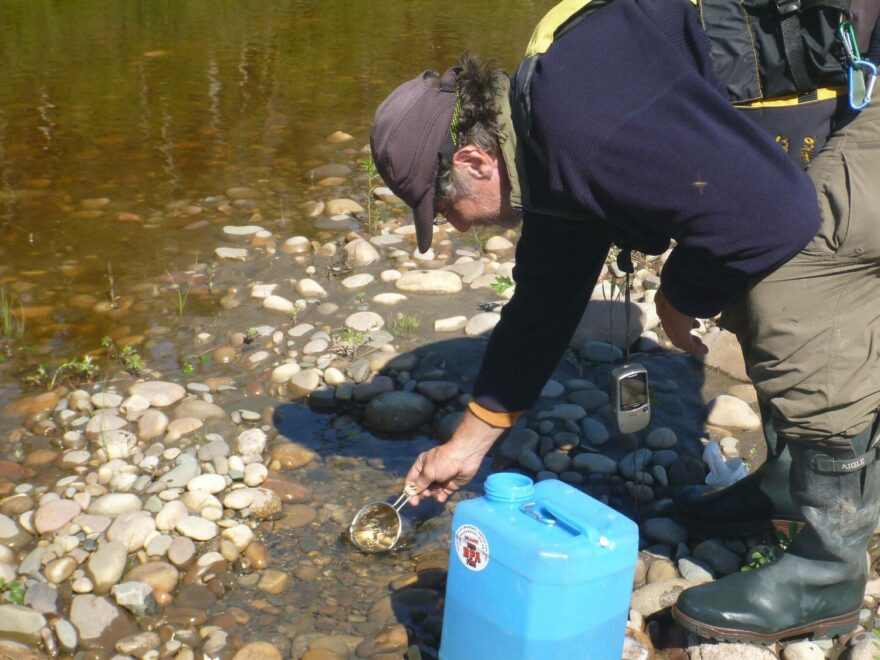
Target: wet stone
[398,411]
[273,581]
[136,597]
[99,622]
[291,456]
[21,624]
[160,394]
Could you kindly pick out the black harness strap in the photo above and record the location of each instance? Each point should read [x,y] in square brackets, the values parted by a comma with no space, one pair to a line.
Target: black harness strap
[793,42]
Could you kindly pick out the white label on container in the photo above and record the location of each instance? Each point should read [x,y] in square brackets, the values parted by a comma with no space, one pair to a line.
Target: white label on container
[472,547]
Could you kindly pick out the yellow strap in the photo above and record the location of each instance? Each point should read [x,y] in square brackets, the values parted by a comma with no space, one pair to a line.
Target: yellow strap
[823,94]
[542,36]
[501,420]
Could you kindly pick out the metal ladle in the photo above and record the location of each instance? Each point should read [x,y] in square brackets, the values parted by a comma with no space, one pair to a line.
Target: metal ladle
[378,526]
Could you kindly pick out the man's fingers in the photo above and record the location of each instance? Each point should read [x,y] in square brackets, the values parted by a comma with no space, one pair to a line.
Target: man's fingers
[416,476]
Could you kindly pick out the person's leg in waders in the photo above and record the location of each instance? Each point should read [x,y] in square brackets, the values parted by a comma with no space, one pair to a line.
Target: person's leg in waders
[815,333]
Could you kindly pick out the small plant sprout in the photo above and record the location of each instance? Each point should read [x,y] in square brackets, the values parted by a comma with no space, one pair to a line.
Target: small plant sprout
[15,589]
[771,552]
[501,284]
[11,322]
[404,324]
[127,356]
[369,167]
[298,306]
[181,294]
[361,296]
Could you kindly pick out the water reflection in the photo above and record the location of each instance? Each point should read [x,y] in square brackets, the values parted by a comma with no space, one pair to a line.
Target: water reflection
[120,122]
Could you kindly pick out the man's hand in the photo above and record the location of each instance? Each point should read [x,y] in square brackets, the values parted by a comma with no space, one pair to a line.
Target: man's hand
[678,327]
[441,471]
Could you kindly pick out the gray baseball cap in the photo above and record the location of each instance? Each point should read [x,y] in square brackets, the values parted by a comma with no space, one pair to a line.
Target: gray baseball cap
[410,133]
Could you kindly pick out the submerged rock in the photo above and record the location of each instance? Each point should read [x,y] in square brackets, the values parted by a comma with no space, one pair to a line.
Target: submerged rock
[397,412]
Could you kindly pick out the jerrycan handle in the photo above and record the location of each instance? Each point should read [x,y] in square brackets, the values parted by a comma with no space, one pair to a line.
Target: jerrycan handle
[547,515]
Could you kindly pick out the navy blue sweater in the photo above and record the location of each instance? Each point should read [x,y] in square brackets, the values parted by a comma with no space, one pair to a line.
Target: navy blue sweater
[636,131]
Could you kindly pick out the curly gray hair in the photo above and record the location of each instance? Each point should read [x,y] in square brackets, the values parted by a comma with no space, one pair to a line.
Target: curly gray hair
[480,82]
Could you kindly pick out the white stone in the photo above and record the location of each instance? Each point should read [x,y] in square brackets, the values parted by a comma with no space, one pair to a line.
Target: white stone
[233,254]
[160,394]
[114,504]
[106,400]
[102,423]
[251,442]
[310,289]
[296,245]
[429,281]
[451,324]
[361,253]
[358,281]
[172,513]
[333,376]
[390,275]
[240,536]
[498,244]
[731,413]
[52,516]
[278,304]
[209,483]
[316,346]
[388,298]
[131,529]
[255,474]
[240,499]
[480,323]
[245,231]
[133,405]
[805,650]
[365,321]
[260,291]
[282,373]
[197,528]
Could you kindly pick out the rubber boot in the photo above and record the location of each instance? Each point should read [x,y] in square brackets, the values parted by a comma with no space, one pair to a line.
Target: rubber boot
[817,585]
[758,502]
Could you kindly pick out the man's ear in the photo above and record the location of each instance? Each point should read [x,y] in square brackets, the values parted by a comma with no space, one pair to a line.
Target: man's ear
[475,161]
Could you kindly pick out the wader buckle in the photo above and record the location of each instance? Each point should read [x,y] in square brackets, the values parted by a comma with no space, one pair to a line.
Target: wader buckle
[824,464]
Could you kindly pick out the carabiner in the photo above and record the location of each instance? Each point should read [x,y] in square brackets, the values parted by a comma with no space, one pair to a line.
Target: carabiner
[866,72]
[850,43]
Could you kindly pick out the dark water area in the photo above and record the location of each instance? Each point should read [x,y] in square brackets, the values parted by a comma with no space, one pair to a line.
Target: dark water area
[122,124]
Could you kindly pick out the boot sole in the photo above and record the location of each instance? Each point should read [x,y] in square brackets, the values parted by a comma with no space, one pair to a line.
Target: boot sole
[746,528]
[823,628]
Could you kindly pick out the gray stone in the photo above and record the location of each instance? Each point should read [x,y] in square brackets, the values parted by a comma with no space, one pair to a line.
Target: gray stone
[8,528]
[595,463]
[66,635]
[805,650]
[661,438]
[695,570]
[599,351]
[725,354]
[665,530]
[106,565]
[595,431]
[99,621]
[635,462]
[557,461]
[177,477]
[589,400]
[731,413]
[530,461]
[21,624]
[136,597]
[398,412]
[657,596]
[42,598]
[518,440]
[437,390]
[704,650]
[722,560]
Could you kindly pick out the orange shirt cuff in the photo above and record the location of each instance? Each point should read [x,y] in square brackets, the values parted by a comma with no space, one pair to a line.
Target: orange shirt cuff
[502,420]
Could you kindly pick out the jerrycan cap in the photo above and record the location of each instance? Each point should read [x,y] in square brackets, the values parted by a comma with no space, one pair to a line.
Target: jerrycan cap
[509,487]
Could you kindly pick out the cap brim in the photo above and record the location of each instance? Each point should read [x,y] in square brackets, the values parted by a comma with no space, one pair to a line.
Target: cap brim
[423,219]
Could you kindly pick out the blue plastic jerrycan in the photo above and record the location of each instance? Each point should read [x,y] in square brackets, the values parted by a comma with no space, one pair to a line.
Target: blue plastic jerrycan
[537,571]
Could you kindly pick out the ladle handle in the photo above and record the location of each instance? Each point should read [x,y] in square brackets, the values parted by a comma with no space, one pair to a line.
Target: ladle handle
[408,492]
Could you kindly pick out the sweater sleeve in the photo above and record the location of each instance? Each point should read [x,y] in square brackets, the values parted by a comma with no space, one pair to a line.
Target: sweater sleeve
[557,265]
